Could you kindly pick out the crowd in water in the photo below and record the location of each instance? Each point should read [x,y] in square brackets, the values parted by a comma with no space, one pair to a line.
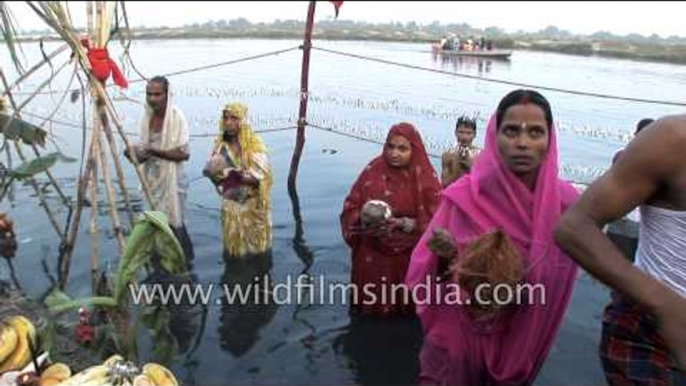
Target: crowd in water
[495,219]
[501,217]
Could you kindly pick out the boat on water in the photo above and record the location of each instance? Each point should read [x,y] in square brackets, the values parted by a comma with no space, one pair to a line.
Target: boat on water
[491,54]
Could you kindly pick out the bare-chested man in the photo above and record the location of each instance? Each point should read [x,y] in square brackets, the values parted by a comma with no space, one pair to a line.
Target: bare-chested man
[458,161]
[644,328]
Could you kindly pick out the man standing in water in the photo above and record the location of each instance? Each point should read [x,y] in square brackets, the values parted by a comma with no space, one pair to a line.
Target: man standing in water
[459,160]
[643,338]
[163,148]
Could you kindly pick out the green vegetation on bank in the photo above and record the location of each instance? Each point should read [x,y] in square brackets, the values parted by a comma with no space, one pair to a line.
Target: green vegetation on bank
[633,46]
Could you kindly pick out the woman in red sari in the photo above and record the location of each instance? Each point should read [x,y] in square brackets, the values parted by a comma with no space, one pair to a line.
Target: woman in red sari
[403,177]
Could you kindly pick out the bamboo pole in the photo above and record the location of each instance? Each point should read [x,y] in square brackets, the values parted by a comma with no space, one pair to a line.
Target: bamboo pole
[97,31]
[100,119]
[117,164]
[97,90]
[304,97]
[97,154]
[89,14]
[94,211]
[302,113]
[114,215]
[67,247]
[9,167]
[103,22]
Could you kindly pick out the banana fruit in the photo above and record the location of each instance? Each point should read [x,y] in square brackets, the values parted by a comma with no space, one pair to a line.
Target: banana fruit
[54,375]
[8,341]
[143,380]
[15,355]
[160,375]
[109,362]
[20,355]
[93,376]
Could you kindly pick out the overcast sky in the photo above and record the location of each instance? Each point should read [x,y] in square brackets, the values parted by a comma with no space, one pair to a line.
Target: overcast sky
[646,18]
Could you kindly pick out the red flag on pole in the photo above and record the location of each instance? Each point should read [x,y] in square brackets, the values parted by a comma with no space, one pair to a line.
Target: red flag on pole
[337,5]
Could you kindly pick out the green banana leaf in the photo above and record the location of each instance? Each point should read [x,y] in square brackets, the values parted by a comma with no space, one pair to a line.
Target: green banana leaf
[150,234]
[38,165]
[58,302]
[165,346]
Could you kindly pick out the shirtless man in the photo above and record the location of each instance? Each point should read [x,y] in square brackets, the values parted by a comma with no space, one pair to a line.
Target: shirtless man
[457,161]
[644,339]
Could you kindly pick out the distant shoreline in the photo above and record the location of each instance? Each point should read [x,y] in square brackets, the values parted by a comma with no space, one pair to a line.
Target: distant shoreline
[674,54]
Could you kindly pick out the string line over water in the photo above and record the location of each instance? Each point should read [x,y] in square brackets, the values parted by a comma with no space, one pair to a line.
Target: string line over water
[501,81]
[405,65]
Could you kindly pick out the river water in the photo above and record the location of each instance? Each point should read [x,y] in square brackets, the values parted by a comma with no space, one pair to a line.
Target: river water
[317,343]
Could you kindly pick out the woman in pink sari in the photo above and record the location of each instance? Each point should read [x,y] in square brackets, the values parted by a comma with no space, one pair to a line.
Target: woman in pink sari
[514,187]
[403,177]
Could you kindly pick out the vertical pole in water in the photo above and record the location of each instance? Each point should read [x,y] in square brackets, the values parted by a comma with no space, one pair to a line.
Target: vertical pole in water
[302,114]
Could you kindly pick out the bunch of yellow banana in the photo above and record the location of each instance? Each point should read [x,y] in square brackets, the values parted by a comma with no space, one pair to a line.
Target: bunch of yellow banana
[114,372]
[14,344]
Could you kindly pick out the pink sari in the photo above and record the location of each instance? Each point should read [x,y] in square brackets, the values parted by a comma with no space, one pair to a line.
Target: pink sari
[511,348]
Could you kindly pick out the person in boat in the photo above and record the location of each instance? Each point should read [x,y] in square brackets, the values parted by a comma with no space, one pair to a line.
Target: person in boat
[643,340]
[458,161]
[239,169]
[402,177]
[449,43]
[639,126]
[162,149]
[470,45]
[514,190]
[489,45]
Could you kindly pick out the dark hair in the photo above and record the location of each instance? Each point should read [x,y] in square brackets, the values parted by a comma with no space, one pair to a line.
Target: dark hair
[161,80]
[466,121]
[643,123]
[520,97]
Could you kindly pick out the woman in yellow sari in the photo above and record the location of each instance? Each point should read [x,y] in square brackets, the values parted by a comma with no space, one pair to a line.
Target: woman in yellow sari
[240,170]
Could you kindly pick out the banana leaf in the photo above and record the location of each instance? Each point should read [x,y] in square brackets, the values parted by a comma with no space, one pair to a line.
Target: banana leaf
[157,320]
[15,128]
[59,302]
[151,234]
[38,165]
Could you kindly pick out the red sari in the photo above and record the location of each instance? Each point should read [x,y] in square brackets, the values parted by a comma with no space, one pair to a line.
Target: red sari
[412,191]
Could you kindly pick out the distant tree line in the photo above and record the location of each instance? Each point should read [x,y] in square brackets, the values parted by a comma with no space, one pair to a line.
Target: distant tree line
[438,29]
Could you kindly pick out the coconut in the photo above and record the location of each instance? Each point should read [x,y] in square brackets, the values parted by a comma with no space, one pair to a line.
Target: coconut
[493,260]
[215,165]
[374,212]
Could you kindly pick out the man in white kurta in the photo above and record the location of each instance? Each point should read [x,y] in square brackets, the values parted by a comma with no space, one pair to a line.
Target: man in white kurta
[163,147]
